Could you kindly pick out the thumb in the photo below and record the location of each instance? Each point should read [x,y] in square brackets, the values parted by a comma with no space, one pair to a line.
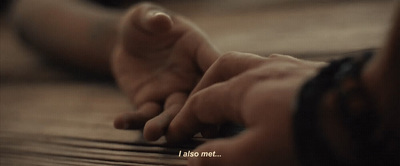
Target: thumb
[150,18]
[156,21]
[146,27]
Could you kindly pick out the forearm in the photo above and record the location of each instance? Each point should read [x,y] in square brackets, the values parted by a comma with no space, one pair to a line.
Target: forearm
[76,32]
[381,78]
[356,120]
[361,114]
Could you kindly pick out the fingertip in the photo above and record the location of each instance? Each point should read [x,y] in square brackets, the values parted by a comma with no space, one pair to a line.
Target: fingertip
[163,16]
[148,18]
[157,126]
[120,123]
[183,127]
[177,134]
[159,22]
[174,135]
[152,130]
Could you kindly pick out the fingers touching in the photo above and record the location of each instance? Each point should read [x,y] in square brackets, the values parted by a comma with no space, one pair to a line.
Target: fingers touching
[218,96]
[151,117]
[157,126]
[200,109]
[222,93]
[157,56]
[137,119]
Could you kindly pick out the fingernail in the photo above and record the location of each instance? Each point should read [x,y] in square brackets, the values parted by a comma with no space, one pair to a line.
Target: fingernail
[161,14]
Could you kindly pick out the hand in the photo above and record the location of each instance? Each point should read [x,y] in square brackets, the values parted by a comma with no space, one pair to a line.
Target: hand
[158,59]
[256,92]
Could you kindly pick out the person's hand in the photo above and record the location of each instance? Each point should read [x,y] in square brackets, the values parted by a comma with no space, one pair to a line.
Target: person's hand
[254,91]
[158,59]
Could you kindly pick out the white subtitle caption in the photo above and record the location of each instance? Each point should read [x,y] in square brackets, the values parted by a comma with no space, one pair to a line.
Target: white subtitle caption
[197,154]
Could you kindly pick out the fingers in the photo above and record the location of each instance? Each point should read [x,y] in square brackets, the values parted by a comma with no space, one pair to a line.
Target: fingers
[137,119]
[227,66]
[187,122]
[150,18]
[145,27]
[156,22]
[157,126]
[214,101]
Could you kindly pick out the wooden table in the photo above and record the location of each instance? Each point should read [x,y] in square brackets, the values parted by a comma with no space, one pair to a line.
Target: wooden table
[52,116]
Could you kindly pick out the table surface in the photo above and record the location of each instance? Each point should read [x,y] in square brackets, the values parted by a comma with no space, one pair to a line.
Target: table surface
[52,116]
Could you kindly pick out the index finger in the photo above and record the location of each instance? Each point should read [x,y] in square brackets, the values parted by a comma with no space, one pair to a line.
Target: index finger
[228,66]
[216,104]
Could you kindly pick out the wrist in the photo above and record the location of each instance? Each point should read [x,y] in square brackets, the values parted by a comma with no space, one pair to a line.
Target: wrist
[336,122]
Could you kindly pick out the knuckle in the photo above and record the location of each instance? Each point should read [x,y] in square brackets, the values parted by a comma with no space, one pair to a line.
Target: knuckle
[193,101]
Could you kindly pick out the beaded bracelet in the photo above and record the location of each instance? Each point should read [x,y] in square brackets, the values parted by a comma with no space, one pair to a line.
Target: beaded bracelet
[358,115]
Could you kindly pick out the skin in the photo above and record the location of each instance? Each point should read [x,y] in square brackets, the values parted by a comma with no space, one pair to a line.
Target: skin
[158,57]
[260,93]
[256,93]
[381,77]
[157,61]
